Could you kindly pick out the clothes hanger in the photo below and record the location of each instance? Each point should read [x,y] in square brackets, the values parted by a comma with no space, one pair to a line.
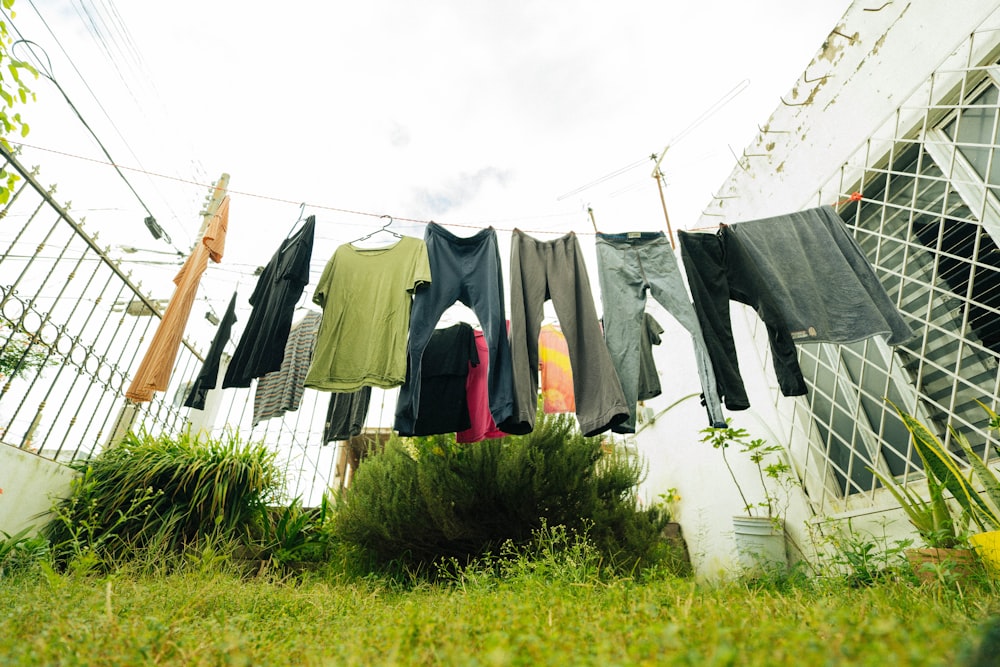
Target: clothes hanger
[301,218]
[383,228]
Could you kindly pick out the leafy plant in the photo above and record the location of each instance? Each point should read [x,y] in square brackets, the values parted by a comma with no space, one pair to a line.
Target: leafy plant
[21,352]
[158,491]
[20,549]
[432,499]
[932,518]
[864,559]
[761,454]
[941,466]
[12,90]
[292,533]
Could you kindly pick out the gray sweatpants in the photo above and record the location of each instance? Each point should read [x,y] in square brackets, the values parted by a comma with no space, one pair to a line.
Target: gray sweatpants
[542,270]
[627,265]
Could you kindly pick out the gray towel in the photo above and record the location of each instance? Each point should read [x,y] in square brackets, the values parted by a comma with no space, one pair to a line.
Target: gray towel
[820,279]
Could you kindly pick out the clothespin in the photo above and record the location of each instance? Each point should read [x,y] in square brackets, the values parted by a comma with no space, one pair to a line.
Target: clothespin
[855,196]
[592,221]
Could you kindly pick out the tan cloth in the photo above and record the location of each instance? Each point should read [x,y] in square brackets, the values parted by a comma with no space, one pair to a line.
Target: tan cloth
[154,371]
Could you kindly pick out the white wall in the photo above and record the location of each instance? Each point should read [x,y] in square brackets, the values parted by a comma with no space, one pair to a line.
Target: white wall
[870,64]
[29,486]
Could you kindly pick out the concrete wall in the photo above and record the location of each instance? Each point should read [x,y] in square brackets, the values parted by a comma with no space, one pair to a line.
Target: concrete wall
[29,486]
[874,59]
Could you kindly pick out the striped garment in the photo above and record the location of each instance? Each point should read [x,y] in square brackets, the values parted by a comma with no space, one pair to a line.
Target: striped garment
[281,391]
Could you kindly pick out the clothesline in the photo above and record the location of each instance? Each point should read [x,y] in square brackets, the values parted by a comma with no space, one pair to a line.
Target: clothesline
[320,207]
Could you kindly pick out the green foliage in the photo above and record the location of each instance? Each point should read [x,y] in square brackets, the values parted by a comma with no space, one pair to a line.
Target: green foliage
[932,518]
[293,534]
[943,471]
[763,456]
[158,492]
[21,550]
[20,352]
[431,499]
[863,559]
[13,90]
[557,615]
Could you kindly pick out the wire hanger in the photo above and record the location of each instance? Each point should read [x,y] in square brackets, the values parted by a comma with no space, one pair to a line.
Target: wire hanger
[383,228]
[300,219]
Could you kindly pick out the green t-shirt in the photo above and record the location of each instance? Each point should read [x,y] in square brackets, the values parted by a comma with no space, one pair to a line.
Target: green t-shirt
[366,295]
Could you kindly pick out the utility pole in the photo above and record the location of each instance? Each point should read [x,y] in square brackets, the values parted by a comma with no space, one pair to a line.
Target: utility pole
[130,409]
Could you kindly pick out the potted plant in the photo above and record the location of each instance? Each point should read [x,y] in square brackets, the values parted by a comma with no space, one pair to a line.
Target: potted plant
[942,532]
[760,532]
[983,509]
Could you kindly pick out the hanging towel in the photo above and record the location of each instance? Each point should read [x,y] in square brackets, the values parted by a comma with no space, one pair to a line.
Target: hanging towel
[820,279]
[208,378]
[557,376]
[158,362]
[281,391]
[366,295]
[262,345]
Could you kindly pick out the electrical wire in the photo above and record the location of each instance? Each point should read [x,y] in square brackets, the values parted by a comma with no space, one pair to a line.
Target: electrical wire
[90,90]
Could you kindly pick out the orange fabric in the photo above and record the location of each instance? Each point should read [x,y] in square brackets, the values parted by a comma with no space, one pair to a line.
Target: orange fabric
[158,362]
[557,375]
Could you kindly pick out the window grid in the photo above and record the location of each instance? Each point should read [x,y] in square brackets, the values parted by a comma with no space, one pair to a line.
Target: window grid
[923,221]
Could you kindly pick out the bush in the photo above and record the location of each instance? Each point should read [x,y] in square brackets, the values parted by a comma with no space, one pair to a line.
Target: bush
[163,493]
[430,499]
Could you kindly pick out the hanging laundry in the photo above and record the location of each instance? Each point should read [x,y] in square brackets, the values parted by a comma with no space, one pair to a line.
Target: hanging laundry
[628,266]
[821,282]
[444,405]
[208,377]
[281,391]
[262,345]
[158,362]
[465,269]
[556,374]
[482,425]
[366,294]
[718,271]
[649,379]
[346,414]
[555,269]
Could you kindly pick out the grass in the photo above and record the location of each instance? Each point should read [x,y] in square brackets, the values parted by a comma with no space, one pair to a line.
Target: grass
[539,612]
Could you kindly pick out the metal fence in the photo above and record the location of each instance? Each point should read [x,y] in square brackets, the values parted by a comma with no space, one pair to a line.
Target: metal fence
[72,326]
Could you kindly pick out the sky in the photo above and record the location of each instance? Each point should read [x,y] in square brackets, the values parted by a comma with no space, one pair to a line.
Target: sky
[511,114]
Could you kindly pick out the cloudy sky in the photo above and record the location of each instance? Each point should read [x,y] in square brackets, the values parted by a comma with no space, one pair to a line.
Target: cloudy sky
[468,113]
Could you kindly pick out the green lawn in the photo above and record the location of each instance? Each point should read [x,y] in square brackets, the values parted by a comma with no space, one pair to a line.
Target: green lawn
[206,616]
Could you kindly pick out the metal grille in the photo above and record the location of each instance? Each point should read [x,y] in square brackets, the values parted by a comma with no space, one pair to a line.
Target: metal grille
[72,327]
[929,221]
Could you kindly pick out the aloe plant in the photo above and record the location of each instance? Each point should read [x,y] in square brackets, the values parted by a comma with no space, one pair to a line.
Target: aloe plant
[983,510]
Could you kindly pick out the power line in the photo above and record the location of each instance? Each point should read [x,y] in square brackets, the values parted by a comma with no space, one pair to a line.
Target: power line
[90,90]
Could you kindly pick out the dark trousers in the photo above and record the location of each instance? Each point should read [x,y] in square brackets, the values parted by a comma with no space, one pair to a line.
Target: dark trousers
[542,270]
[718,270]
[465,269]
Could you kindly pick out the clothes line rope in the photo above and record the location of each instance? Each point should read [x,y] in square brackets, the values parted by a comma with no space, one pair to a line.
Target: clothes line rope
[298,202]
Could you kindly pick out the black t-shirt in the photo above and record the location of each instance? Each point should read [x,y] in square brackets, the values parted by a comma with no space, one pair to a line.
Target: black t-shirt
[444,405]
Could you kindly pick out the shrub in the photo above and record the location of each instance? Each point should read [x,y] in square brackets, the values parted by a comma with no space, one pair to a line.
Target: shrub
[162,492]
[430,499]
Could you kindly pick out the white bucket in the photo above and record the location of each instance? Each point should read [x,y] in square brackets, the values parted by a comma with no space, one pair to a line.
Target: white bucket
[760,543]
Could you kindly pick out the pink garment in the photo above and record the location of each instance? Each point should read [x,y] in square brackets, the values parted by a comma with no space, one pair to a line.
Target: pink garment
[477,391]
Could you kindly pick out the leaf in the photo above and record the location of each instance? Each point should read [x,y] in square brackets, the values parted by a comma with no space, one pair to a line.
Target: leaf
[986,477]
[939,463]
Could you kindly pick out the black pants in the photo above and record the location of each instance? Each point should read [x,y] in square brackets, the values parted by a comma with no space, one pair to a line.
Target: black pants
[718,270]
[465,269]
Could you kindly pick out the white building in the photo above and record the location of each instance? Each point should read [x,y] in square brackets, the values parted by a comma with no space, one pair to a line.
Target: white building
[900,103]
